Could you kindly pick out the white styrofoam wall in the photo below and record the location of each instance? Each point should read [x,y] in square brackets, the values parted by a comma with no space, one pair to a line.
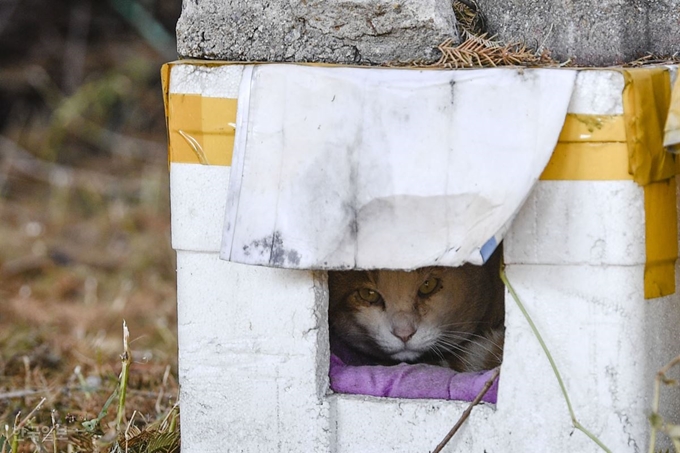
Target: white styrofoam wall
[577,222]
[253,341]
[250,363]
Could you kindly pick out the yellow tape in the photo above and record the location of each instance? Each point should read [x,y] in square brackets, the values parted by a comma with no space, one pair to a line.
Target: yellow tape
[593,128]
[590,148]
[201,129]
[165,83]
[606,161]
[646,98]
[661,238]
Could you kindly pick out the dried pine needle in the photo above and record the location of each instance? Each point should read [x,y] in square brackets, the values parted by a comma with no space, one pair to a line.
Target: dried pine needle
[478,49]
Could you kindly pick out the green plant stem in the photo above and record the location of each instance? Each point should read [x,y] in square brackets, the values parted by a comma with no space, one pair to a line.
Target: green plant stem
[655,410]
[91,425]
[173,420]
[563,388]
[655,418]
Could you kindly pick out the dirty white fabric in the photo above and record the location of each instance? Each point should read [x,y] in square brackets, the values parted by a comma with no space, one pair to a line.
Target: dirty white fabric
[340,168]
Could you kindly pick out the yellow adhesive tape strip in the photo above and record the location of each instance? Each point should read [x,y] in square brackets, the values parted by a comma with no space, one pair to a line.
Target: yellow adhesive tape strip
[201,129]
[604,161]
[593,128]
[661,238]
[646,98]
[590,148]
[165,83]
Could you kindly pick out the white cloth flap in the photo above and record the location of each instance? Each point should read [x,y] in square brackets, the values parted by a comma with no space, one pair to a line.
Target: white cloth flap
[341,168]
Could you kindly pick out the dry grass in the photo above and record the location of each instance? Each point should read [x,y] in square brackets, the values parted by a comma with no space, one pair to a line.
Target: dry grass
[67,283]
[478,49]
[84,235]
[483,52]
[652,59]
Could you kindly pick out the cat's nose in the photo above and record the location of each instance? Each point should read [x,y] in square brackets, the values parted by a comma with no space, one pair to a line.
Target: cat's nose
[404,333]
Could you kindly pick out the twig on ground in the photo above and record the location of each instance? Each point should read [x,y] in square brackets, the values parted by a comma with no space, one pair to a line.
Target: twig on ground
[16,429]
[161,392]
[18,394]
[464,416]
[55,429]
[126,358]
[127,429]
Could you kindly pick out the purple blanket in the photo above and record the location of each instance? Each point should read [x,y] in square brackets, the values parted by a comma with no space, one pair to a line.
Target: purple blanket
[349,374]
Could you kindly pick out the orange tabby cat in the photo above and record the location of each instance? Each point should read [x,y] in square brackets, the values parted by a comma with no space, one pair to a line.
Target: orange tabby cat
[445,315]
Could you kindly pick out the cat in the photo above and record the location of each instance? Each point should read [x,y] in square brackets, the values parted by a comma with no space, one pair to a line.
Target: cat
[451,316]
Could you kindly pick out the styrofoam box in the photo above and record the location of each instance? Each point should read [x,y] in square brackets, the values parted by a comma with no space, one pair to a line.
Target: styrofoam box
[253,341]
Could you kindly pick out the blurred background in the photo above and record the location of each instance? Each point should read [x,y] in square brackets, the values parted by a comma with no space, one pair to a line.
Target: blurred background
[84,209]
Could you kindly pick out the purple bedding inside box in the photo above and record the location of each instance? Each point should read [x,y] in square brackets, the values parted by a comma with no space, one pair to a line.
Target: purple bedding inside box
[352,373]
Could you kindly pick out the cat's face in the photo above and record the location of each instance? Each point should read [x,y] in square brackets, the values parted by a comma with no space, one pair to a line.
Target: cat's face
[402,316]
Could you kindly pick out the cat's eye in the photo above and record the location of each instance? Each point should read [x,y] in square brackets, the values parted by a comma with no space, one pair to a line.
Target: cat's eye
[369,295]
[429,286]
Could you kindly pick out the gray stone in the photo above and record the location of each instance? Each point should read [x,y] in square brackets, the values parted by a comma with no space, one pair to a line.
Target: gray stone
[334,31]
[590,32]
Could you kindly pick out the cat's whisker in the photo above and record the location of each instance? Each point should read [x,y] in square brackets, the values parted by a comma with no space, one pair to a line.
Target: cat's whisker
[436,351]
[485,345]
[458,324]
[489,350]
[456,335]
[450,346]
[493,353]
[456,354]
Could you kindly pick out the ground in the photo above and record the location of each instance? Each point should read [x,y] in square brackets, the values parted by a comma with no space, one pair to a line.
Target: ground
[84,225]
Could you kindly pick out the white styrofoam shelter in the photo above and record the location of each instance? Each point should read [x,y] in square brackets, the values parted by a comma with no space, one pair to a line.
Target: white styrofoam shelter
[253,341]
